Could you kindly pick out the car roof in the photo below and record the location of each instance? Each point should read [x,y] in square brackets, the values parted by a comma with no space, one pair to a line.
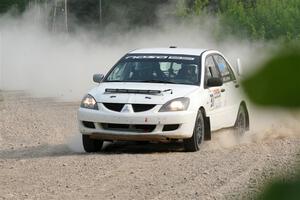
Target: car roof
[175,51]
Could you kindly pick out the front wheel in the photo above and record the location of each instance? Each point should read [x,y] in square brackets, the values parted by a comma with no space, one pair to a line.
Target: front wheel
[193,144]
[91,145]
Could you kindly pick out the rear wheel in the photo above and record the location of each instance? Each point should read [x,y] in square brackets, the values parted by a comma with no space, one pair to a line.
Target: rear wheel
[240,126]
[91,145]
[193,144]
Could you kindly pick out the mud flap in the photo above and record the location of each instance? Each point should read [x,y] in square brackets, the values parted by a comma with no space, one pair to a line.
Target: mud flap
[207,134]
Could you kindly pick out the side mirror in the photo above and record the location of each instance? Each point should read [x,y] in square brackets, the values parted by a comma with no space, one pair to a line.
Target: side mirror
[214,82]
[239,67]
[97,78]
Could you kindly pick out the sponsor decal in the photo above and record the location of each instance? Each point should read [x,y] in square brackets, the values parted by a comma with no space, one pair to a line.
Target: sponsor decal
[215,98]
[216,93]
[181,58]
[146,57]
[212,101]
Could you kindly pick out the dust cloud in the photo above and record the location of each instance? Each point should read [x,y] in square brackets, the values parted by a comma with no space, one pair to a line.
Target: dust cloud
[265,125]
[74,142]
[53,64]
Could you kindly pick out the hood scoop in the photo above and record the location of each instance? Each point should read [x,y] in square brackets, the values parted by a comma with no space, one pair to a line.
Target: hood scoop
[136,91]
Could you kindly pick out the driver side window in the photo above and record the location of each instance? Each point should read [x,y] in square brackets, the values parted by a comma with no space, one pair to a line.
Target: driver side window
[116,74]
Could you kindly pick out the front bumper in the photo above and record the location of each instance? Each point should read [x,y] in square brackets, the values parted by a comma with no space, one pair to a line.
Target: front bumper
[184,119]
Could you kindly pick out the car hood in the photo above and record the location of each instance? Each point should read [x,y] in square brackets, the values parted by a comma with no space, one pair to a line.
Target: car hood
[169,92]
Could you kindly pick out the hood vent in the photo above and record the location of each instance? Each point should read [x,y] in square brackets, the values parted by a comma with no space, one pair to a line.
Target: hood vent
[133,91]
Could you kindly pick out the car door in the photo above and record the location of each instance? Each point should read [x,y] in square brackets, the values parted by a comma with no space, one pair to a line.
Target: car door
[216,96]
[230,90]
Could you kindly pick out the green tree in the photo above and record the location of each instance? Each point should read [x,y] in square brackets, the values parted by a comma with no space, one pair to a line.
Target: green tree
[17,5]
[263,19]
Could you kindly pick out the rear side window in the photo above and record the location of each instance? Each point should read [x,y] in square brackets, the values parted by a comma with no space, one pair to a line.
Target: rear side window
[210,68]
[225,70]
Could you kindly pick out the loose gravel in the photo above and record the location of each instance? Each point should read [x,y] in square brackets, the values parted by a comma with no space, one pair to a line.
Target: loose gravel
[37,160]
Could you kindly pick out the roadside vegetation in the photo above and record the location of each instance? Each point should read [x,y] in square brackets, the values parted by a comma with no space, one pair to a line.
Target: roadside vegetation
[251,19]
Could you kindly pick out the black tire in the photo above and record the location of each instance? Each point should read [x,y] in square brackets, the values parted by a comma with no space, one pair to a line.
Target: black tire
[91,145]
[193,144]
[241,123]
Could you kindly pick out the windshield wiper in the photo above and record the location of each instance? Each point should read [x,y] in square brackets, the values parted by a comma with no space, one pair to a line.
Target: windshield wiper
[156,81]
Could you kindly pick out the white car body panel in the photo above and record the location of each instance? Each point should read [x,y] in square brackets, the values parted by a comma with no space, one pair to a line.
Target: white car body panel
[224,116]
[220,107]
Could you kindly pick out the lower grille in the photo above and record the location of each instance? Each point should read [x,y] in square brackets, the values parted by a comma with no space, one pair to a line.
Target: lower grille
[136,107]
[114,106]
[142,107]
[88,124]
[129,127]
[170,127]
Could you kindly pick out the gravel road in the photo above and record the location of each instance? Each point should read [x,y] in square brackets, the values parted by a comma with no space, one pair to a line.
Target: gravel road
[40,158]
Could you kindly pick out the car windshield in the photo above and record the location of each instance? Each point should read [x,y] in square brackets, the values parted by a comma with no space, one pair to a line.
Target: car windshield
[173,69]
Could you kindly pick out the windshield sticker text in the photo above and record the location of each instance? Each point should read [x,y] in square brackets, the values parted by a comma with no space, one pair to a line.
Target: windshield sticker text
[160,57]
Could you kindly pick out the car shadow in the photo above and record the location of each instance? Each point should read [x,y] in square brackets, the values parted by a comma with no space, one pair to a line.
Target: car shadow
[59,150]
[45,150]
[142,147]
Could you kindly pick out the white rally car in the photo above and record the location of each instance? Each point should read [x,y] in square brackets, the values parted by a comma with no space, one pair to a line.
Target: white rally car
[163,94]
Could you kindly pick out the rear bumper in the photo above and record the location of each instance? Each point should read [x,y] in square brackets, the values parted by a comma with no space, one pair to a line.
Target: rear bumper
[184,119]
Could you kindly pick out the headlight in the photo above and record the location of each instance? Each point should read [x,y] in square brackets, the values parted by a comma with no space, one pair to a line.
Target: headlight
[89,102]
[178,104]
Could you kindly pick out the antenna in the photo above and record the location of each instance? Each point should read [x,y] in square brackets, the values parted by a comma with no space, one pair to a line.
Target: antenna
[239,67]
